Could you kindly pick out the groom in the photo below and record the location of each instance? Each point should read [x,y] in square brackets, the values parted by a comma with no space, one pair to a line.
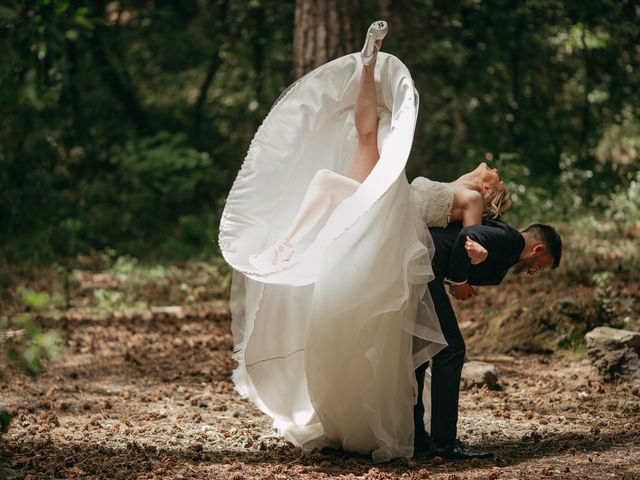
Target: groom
[530,251]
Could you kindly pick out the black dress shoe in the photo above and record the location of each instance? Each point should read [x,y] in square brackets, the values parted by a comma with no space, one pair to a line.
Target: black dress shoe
[457,451]
[421,442]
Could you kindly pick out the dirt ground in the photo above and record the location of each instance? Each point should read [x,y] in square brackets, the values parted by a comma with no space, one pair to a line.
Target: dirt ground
[148,395]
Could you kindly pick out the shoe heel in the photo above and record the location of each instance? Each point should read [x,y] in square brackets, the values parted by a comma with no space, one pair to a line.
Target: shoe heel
[377,31]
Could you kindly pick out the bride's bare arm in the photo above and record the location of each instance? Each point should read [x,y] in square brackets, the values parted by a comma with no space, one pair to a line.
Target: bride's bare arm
[472,207]
[472,210]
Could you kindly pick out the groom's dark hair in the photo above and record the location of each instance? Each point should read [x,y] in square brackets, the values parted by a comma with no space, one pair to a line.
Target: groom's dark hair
[550,238]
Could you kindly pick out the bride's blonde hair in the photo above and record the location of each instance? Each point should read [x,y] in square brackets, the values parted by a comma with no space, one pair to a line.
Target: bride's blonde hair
[497,202]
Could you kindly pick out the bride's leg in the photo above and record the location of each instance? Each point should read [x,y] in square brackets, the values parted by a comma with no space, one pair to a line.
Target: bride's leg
[366,118]
[326,190]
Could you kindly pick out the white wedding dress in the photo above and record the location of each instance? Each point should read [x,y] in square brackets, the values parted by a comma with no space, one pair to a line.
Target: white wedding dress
[328,346]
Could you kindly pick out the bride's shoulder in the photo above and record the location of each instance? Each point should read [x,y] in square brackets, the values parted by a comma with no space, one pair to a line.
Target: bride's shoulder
[467,196]
[423,183]
[419,181]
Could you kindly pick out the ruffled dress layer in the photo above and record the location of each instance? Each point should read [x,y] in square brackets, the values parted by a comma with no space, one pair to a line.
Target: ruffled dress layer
[328,346]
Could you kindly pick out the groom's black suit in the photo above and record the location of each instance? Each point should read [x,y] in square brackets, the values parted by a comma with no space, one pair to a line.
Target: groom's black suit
[451,262]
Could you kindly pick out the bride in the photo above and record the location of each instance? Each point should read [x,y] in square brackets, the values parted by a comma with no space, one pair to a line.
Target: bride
[331,319]
[467,199]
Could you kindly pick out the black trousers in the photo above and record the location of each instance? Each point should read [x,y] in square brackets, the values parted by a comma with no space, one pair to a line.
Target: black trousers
[446,368]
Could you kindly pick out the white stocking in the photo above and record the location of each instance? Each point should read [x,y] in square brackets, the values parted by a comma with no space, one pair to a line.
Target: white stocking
[326,190]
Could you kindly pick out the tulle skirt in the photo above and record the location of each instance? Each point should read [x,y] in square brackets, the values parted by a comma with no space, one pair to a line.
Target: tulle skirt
[328,346]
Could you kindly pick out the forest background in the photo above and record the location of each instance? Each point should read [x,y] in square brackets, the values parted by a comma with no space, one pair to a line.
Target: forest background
[122,127]
[123,124]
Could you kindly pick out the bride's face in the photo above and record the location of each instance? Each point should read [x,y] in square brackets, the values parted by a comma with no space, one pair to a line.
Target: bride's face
[490,179]
[489,176]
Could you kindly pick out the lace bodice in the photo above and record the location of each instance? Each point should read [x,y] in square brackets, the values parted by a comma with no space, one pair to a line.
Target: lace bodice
[433,200]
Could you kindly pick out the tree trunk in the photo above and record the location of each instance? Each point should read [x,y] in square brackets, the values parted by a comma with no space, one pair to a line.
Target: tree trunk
[324,30]
[122,90]
[514,103]
[584,133]
[214,64]
[115,74]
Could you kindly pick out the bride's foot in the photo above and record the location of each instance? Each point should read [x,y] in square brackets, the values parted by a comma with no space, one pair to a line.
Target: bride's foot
[279,254]
[376,33]
[283,253]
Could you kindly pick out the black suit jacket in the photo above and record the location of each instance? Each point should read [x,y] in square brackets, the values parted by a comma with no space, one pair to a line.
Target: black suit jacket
[504,243]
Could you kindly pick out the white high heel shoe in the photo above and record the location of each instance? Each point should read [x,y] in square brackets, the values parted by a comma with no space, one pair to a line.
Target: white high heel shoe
[377,31]
[275,258]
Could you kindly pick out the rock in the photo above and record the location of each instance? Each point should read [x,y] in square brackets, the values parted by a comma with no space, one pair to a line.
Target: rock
[170,309]
[478,374]
[617,365]
[612,338]
[615,353]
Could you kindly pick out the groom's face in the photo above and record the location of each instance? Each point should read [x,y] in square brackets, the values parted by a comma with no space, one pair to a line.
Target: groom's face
[534,263]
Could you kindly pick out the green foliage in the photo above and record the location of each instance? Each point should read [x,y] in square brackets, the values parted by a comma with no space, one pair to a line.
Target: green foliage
[123,124]
[34,300]
[612,307]
[574,342]
[604,289]
[546,91]
[624,204]
[25,344]
[157,184]
[161,166]
[619,146]
[109,300]
[127,284]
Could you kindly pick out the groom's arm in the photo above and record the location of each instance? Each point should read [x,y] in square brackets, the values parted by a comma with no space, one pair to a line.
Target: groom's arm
[494,239]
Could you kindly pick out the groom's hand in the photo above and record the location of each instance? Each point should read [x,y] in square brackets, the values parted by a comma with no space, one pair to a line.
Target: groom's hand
[463,291]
